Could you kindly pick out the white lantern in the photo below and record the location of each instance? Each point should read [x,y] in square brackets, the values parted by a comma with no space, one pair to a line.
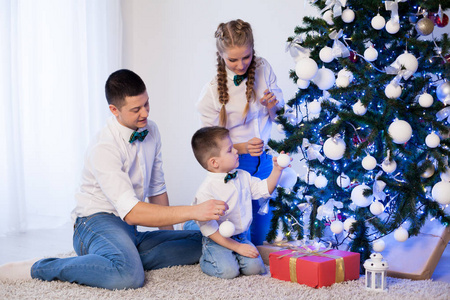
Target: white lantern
[376,269]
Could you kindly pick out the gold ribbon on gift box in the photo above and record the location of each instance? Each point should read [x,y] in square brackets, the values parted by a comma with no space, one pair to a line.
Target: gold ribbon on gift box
[304,250]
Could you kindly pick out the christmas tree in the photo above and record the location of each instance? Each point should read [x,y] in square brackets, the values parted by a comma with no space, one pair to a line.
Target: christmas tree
[371,122]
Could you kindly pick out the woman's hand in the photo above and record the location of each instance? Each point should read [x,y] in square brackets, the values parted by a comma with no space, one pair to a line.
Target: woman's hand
[255,146]
[269,99]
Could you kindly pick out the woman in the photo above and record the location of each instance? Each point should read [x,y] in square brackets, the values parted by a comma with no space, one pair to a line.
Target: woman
[244,98]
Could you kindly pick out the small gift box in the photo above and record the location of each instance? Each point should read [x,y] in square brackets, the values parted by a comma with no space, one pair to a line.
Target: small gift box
[314,267]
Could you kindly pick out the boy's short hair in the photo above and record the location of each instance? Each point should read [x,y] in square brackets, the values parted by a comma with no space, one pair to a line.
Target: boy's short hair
[205,143]
[123,83]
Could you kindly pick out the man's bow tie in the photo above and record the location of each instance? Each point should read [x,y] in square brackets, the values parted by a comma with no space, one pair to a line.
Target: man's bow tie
[238,79]
[230,176]
[138,136]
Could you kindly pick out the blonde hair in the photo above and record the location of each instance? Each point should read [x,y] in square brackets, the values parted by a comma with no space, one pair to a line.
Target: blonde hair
[236,33]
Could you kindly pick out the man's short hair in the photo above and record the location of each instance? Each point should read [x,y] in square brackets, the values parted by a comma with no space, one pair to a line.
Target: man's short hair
[123,83]
[205,143]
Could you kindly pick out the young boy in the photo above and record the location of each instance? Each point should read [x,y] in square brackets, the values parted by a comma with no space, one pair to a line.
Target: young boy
[221,256]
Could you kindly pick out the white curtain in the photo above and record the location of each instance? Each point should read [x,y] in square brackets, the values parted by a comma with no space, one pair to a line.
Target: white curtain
[55,56]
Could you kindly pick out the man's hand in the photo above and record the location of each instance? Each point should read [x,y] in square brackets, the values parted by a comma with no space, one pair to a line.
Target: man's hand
[255,146]
[247,250]
[210,210]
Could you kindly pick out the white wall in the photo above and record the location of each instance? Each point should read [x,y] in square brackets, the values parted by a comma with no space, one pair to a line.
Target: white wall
[171,45]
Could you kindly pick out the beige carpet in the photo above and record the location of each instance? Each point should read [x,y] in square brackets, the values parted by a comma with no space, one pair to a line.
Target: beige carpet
[188,282]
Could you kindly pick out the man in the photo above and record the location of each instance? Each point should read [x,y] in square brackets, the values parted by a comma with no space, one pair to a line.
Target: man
[123,167]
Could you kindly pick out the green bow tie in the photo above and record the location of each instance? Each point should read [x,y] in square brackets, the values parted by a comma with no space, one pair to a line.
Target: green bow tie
[230,176]
[238,79]
[138,136]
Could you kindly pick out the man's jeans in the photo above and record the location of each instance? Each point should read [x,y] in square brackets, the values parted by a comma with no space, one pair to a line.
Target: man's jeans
[114,255]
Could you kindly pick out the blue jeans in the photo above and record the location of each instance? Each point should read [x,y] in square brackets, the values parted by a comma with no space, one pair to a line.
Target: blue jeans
[224,263]
[114,255]
[261,167]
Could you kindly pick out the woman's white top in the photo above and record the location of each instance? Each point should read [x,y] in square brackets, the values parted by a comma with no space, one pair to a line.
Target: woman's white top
[259,122]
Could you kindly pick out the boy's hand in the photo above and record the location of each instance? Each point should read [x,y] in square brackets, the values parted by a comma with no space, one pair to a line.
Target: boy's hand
[247,250]
[276,165]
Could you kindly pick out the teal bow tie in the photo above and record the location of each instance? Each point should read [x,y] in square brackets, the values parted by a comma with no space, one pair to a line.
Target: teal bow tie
[238,79]
[230,176]
[138,136]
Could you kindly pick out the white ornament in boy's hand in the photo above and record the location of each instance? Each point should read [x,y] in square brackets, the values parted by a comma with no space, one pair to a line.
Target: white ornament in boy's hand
[283,160]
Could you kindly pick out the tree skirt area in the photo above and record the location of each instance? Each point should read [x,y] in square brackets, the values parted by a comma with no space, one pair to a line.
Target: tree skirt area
[189,282]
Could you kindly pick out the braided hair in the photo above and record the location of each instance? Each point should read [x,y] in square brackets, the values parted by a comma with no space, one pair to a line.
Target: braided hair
[234,33]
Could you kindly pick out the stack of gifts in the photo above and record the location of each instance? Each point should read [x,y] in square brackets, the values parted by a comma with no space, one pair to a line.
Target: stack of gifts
[313,264]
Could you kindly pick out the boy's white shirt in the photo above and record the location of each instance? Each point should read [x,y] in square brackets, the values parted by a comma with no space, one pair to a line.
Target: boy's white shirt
[237,193]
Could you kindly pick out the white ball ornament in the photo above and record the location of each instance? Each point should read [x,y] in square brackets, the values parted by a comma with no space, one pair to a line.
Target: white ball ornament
[443,92]
[445,176]
[303,84]
[346,73]
[280,128]
[408,61]
[371,54]
[392,26]
[425,100]
[326,54]
[369,162]
[306,68]
[336,227]
[358,197]
[324,79]
[400,131]
[376,208]
[342,81]
[432,140]
[378,22]
[328,17]
[389,166]
[343,181]
[283,160]
[401,234]
[428,166]
[348,223]
[314,107]
[288,178]
[321,182]
[378,246]
[226,229]
[359,109]
[334,148]
[441,192]
[310,177]
[348,15]
[393,91]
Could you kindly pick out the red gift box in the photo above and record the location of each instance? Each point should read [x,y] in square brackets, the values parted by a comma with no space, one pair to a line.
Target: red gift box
[315,269]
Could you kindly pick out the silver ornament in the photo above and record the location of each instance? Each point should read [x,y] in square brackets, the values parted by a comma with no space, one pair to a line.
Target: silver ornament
[443,92]
[425,26]
[429,171]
